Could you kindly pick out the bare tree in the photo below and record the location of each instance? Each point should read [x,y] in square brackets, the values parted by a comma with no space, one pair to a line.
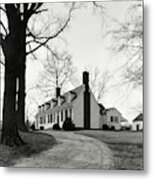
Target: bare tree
[128,41]
[99,82]
[13,41]
[58,69]
[13,45]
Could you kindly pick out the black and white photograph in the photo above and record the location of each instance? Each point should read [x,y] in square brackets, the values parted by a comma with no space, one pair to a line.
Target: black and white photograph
[71,78]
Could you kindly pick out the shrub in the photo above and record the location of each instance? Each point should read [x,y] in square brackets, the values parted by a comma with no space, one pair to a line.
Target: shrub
[42,128]
[68,125]
[33,127]
[113,128]
[105,127]
[56,127]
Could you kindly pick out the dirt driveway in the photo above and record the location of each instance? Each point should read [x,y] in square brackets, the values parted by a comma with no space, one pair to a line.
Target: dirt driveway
[72,151]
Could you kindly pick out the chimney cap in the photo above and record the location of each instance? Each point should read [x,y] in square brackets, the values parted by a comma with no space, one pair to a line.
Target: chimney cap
[85,77]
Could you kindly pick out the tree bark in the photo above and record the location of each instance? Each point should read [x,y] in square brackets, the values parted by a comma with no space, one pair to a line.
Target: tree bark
[22,82]
[10,135]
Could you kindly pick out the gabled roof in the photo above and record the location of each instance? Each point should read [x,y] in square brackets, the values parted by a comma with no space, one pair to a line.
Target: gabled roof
[75,92]
[102,108]
[110,109]
[138,118]
[124,120]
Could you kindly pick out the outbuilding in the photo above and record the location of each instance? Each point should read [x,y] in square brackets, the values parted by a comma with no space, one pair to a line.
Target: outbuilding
[137,124]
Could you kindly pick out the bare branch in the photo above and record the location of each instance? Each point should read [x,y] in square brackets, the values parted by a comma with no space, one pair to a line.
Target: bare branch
[3,9]
[4,28]
[57,33]
[1,62]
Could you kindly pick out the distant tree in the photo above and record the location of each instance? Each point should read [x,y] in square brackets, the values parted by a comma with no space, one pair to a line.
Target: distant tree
[127,39]
[58,69]
[99,83]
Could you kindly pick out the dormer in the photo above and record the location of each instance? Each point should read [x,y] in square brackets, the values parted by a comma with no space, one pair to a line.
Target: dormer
[39,109]
[55,102]
[42,107]
[62,99]
[73,95]
[69,97]
[47,106]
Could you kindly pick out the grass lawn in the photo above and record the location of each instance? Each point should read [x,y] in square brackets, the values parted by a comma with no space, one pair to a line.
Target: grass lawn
[35,143]
[127,147]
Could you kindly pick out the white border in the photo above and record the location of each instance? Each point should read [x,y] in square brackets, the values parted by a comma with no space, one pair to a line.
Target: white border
[47,174]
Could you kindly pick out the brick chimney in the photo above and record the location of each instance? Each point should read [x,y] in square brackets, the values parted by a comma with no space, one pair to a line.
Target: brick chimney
[86,100]
[85,77]
[58,92]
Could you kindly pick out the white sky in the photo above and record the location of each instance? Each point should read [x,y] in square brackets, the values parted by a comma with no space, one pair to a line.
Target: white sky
[88,46]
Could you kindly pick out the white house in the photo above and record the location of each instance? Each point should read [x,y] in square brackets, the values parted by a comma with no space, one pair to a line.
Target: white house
[78,104]
[137,124]
[110,119]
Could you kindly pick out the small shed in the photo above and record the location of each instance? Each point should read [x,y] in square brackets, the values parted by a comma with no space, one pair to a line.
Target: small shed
[137,124]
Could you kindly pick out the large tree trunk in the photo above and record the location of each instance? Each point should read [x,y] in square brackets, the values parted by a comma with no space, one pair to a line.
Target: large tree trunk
[10,135]
[21,102]
[22,84]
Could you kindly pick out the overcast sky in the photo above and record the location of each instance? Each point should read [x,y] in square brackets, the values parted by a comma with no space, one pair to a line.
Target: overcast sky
[88,45]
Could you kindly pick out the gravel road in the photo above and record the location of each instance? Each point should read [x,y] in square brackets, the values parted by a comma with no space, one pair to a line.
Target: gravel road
[72,151]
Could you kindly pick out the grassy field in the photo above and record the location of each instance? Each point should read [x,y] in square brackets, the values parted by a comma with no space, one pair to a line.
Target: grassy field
[127,147]
[35,143]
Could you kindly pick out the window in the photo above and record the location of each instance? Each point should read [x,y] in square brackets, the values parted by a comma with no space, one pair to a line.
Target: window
[41,120]
[61,115]
[44,120]
[111,118]
[66,114]
[51,118]
[116,119]
[54,117]
[48,118]
[71,113]
[57,118]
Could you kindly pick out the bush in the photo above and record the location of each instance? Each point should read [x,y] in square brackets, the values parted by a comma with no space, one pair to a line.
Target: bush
[105,127]
[33,127]
[68,125]
[42,128]
[56,127]
[113,128]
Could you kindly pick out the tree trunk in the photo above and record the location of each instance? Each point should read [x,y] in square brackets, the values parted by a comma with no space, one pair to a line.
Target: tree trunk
[22,82]
[21,100]
[10,135]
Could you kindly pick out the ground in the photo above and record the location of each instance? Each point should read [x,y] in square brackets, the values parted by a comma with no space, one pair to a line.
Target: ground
[126,147]
[72,151]
[35,143]
[95,149]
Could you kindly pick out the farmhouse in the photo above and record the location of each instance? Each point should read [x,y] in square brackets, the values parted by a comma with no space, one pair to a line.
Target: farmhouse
[78,104]
[138,123]
[111,119]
